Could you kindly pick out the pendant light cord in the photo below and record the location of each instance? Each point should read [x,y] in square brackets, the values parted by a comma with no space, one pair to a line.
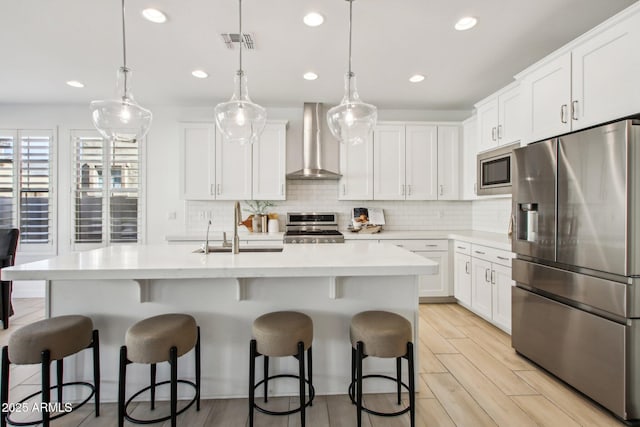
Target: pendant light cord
[350,72]
[240,37]
[124,53]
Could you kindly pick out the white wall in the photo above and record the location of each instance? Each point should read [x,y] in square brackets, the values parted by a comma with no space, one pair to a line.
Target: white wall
[491,214]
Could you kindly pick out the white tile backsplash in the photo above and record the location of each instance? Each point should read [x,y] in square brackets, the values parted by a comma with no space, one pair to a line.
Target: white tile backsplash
[322,196]
[491,215]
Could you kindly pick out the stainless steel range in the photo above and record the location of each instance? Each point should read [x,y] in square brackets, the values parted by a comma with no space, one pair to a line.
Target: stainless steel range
[312,227]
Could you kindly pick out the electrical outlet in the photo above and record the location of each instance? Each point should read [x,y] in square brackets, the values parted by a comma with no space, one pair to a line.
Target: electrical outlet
[171,215]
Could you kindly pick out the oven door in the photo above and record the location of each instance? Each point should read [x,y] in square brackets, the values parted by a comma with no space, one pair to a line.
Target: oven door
[495,171]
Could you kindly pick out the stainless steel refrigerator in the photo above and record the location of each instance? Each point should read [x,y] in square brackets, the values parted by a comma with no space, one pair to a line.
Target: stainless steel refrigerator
[576,304]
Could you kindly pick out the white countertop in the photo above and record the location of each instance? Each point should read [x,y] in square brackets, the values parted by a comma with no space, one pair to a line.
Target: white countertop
[494,240]
[177,261]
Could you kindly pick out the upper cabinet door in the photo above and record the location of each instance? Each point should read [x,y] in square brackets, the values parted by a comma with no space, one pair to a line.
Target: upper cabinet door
[269,163]
[356,167]
[233,170]
[448,162]
[197,161]
[488,125]
[389,162]
[421,162]
[510,116]
[469,158]
[547,99]
[605,73]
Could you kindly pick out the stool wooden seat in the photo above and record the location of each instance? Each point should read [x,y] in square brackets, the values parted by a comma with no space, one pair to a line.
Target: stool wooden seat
[158,339]
[45,341]
[280,334]
[386,335]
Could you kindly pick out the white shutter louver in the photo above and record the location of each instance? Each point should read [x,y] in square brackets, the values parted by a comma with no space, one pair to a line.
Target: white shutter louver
[7,180]
[35,188]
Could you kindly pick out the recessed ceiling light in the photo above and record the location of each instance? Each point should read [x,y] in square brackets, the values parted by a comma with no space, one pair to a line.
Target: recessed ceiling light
[199,74]
[75,83]
[154,15]
[313,19]
[416,78]
[466,23]
[310,76]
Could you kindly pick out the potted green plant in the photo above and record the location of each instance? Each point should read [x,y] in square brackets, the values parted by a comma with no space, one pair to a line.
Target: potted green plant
[259,209]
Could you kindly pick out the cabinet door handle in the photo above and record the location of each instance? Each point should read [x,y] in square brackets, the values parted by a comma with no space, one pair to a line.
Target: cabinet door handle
[493,133]
[466,267]
[402,190]
[499,131]
[502,258]
[431,246]
[211,190]
[219,189]
[441,189]
[344,189]
[409,190]
[479,252]
[486,275]
[493,277]
[574,110]
[461,247]
[563,113]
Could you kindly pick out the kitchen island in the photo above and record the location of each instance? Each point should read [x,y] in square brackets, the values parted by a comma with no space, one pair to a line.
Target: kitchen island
[117,286]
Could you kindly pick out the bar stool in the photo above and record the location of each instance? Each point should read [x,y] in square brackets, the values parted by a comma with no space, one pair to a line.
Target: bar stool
[43,342]
[280,334]
[158,339]
[386,335]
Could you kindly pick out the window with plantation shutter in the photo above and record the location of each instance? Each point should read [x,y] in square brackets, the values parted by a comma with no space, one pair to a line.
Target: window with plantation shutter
[26,186]
[106,182]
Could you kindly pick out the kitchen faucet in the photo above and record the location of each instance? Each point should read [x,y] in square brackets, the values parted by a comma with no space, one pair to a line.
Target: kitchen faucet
[237,218]
[205,249]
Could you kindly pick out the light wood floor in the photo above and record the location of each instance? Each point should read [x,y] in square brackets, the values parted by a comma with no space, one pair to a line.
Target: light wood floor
[469,376]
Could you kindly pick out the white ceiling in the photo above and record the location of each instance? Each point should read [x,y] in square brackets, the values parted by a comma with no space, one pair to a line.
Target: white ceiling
[46,43]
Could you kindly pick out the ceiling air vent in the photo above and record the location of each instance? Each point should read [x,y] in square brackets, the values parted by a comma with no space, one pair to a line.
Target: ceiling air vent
[232,39]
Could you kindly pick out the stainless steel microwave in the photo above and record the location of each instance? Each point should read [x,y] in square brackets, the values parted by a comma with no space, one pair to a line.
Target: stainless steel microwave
[495,171]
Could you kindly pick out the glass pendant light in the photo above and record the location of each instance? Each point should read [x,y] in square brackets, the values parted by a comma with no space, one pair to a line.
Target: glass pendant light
[353,120]
[121,118]
[239,119]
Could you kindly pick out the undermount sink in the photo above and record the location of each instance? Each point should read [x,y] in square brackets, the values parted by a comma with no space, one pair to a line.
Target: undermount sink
[220,249]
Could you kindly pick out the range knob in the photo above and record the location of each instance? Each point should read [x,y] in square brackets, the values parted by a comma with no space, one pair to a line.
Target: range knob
[294,241]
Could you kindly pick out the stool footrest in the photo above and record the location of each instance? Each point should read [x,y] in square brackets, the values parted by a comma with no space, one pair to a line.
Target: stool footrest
[55,387]
[371,411]
[312,395]
[168,417]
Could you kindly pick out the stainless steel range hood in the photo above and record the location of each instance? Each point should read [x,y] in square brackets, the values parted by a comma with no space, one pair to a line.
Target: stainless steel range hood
[312,117]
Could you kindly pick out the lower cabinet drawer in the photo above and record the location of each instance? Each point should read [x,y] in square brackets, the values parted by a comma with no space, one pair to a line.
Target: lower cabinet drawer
[421,244]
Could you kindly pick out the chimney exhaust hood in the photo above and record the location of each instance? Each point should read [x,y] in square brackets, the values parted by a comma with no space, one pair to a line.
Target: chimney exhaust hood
[312,117]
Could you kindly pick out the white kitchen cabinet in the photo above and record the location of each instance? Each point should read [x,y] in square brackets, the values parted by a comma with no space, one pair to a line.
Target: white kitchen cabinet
[468,159]
[590,82]
[405,162]
[212,169]
[233,170]
[491,285]
[197,161]
[437,250]
[448,162]
[500,118]
[462,272]
[269,163]
[356,167]
[416,162]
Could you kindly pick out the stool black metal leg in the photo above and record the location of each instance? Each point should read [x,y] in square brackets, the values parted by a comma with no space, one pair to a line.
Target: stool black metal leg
[122,378]
[412,389]
[359,356]
[173,360]
[46,387]
[252,379]
[4,387]
[96,370]
[59,375]
[310,373]
[399,376]
[266,376]
[302,386]
[353,373]
[6,302]
[198,370]
[152,384]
